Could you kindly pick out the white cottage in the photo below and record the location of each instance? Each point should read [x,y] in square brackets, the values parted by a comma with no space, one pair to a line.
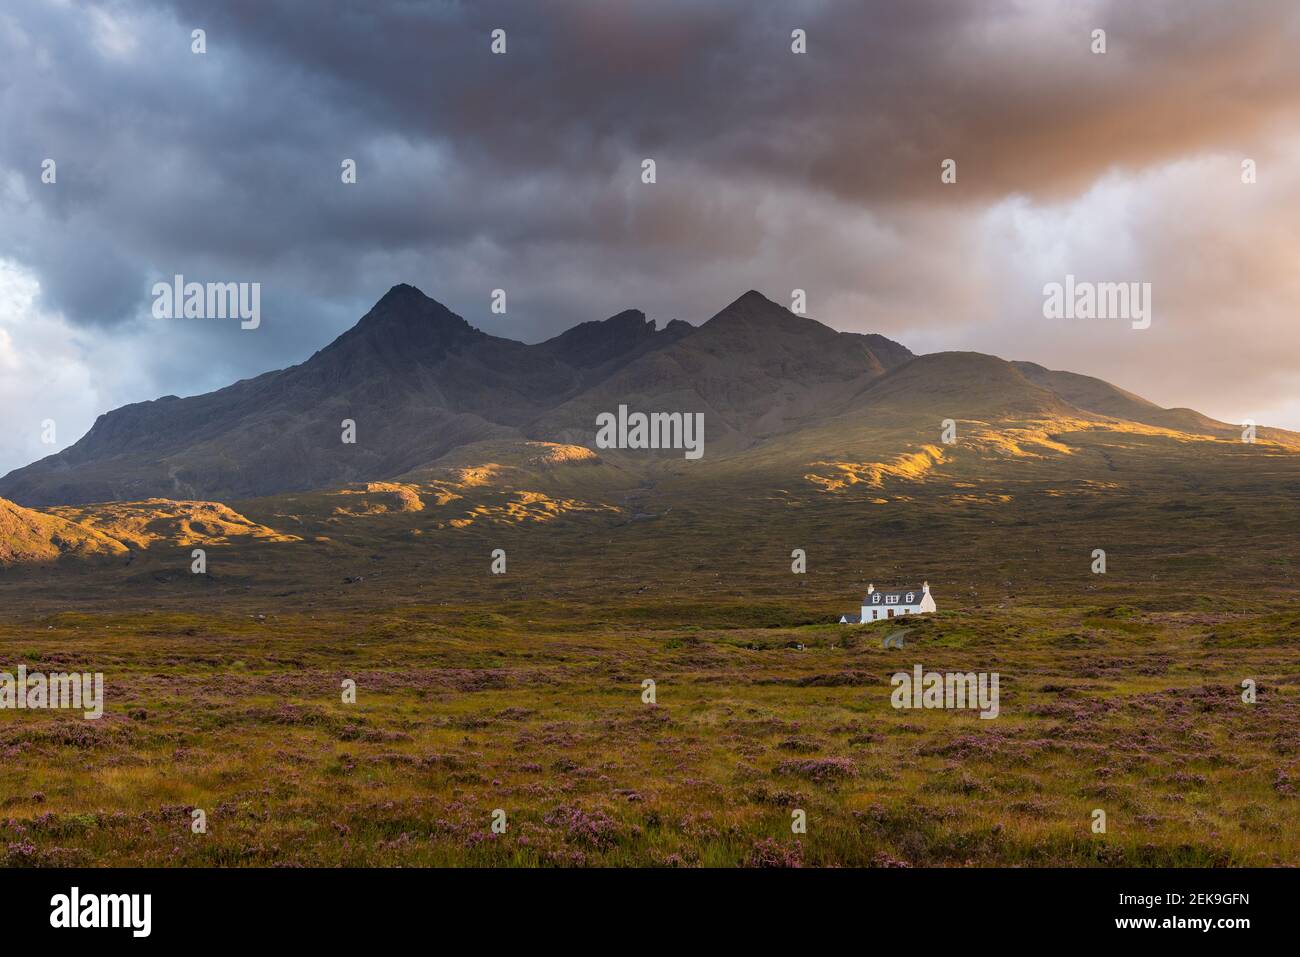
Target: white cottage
[892,604]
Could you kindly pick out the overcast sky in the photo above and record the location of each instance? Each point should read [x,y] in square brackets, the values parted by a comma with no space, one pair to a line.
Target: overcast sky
[522,171]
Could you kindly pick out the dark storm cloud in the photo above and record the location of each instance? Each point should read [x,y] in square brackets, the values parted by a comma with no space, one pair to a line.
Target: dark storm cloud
[522,171]
[234,155]
[1010,87]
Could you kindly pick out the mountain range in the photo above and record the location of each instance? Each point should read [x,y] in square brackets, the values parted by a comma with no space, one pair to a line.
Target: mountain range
[421,383]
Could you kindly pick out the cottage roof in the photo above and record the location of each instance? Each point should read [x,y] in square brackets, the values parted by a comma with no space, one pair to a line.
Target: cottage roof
[903,596]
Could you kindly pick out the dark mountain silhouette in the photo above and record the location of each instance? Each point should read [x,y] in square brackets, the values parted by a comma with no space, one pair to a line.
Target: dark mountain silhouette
[420,382]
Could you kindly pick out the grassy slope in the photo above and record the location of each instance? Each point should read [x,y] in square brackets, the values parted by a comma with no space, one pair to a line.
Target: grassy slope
[33,536]
[522,691]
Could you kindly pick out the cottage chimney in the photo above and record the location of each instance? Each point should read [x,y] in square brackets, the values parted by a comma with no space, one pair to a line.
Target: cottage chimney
[870,588]
[925,586]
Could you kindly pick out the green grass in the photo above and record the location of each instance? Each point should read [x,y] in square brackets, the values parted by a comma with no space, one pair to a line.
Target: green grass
[523,692]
